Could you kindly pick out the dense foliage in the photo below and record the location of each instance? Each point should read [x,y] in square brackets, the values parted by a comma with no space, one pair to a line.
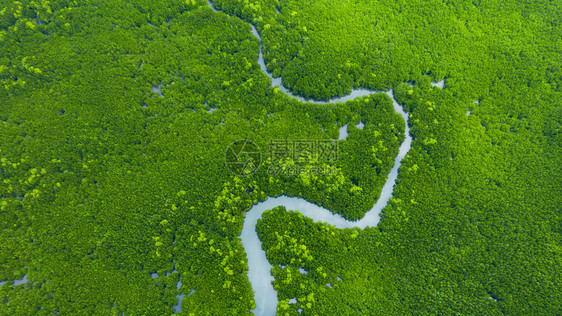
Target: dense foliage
[115,117]
[112,162]
[323,48]
[474,226]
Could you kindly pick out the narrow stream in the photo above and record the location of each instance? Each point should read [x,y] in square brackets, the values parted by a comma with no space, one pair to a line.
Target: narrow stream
[258,267]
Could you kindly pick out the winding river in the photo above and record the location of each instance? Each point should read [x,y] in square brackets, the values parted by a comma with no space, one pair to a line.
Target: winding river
[258,266]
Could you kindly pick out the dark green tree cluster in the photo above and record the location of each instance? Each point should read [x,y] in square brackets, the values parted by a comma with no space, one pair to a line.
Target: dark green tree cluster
[327,270]
[351,183]
[324,48]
